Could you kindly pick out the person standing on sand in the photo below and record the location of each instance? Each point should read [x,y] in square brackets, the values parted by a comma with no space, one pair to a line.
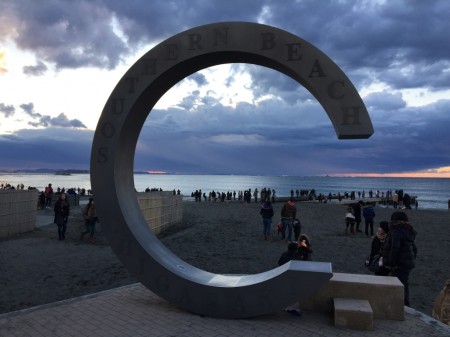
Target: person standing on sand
[48,191]
[90,217]
[395,200]
[349,220]
[61,209]
[288,215]
[369,214]
[297,226]
[267,214]
[357,212]
[399,251]
[377,245]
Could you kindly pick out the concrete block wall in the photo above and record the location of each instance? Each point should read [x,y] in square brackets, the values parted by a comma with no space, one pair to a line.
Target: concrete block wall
[17,211]
[161,209]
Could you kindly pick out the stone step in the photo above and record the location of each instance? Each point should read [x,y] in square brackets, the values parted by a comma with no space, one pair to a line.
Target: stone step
[353,313]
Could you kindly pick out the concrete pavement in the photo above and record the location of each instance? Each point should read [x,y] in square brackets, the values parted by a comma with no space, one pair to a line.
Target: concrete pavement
[134,311]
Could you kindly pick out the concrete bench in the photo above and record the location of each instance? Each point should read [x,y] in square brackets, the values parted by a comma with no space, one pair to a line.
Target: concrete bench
[384,293]
[354,314]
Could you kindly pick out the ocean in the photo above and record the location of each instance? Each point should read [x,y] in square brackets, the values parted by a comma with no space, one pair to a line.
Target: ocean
[431,193]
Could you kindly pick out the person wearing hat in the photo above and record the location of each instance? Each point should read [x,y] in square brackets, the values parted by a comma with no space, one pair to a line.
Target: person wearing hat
[399,250]
[375,248]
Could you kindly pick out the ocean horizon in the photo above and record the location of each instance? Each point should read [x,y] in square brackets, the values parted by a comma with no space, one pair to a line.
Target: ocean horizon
[431,193]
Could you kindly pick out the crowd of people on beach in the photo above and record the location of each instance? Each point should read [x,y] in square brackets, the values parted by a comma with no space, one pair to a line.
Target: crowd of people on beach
[396,199]
[7,186]
[243,195]
[392,250]
[299,248]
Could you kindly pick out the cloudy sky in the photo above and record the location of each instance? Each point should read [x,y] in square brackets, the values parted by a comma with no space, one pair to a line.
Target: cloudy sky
[60,60]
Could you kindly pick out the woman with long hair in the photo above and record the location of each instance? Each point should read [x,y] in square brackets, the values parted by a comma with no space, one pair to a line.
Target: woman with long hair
[62,209]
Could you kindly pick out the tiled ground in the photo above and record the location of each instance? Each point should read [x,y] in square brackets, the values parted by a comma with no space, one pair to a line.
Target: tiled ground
[134,311]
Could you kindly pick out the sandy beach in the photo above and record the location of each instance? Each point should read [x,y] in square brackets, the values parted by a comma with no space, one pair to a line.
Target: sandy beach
[36,268]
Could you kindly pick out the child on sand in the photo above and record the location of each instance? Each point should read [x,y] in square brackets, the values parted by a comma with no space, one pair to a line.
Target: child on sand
[349,220]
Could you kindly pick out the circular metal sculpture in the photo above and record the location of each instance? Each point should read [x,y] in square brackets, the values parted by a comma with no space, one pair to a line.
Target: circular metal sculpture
[112,157]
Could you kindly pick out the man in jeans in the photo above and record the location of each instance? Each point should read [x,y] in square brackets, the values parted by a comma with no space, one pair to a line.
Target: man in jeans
[288,214]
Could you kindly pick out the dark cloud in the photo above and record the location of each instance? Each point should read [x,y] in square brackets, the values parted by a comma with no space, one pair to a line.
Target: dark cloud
[190,101]
[68,34]
[199,79]
[384,101]
[60,121]
[238,141]
[28,108]
[383,41]
[401,44]
[40,120]
[7,110]
[293,142]
[37,70]
[46,148]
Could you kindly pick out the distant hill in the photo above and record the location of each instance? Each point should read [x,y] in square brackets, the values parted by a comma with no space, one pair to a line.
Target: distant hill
[65,171]
[46,171]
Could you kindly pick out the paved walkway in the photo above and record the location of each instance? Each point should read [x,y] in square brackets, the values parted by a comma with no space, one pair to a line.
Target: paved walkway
[134,311]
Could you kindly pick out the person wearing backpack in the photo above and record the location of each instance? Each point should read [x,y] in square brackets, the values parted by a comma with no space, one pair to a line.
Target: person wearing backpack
[399,250]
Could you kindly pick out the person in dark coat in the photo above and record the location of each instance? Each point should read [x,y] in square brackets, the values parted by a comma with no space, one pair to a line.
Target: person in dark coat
[399,250]
[290,254]
[61,215]
[267,214]
[369,214]
[304,247]
[357,212]
[377,245]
